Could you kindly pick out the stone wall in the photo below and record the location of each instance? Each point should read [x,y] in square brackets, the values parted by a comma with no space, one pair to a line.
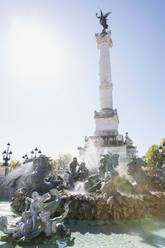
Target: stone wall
[102,207]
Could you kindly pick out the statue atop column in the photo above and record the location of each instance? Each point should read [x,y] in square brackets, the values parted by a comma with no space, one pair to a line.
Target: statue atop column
[103,20]
[128,140]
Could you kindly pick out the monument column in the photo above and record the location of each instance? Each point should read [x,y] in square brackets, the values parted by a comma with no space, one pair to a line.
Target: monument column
[106,138]
[104,42]
[107,118]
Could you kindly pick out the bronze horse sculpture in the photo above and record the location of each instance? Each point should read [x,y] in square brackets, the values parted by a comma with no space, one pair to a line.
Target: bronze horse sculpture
[34,178]
[144,182]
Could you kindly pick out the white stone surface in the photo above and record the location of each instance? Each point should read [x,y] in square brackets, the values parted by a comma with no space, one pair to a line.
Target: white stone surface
[106,124]
[103,125]
[104,43]
[106,97]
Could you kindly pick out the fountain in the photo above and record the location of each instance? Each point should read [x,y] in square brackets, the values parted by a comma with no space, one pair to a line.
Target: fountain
[106,203]
[105,195]
[108,185]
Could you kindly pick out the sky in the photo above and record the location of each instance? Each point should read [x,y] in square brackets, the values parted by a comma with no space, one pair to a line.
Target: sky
[49,72]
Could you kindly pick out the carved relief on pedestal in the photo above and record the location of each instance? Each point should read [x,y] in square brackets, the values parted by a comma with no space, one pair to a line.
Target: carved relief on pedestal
[106,38]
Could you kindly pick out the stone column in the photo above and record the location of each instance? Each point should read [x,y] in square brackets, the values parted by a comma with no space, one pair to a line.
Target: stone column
[104,42]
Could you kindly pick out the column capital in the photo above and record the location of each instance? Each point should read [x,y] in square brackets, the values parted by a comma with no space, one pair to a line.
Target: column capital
[104,38]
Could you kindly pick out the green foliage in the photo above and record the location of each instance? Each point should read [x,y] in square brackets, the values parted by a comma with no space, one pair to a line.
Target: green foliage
[153,157]
[161,144]
[61,162]
[13,164]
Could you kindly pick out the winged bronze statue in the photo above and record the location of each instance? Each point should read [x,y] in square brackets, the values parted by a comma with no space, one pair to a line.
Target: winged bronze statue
[103,20]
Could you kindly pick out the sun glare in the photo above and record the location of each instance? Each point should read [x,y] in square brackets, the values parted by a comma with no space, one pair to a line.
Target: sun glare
[32,52]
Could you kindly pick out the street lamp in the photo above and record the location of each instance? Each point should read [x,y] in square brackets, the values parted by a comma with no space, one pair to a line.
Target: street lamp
[163,157]
[25,158]
[161,148]
[35,152]
[6,157]
[39,152]
[32,154]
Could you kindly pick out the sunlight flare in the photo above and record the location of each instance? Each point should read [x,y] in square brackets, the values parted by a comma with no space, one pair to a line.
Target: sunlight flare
[33,53]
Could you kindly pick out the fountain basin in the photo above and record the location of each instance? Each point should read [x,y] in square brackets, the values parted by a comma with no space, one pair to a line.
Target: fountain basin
[101,207]
[5,190]
[144,233]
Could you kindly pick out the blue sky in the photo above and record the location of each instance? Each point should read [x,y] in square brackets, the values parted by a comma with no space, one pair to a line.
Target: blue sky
[49,72]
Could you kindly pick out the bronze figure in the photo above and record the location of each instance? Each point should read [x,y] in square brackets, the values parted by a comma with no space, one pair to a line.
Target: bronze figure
[103,20]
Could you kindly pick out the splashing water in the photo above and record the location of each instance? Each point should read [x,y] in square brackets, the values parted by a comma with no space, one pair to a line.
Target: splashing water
[122,167]
[79,188]
[23,170]
[91,156]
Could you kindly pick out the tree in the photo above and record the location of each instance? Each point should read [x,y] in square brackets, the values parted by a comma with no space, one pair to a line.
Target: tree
[153,157]
[62,161]
[14,164]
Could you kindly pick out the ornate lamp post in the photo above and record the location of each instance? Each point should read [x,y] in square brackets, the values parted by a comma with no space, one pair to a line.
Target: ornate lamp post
[25,158]
[35,152]
[39,152]
[163,157]
[6,157]
[32,154]
[161,149]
